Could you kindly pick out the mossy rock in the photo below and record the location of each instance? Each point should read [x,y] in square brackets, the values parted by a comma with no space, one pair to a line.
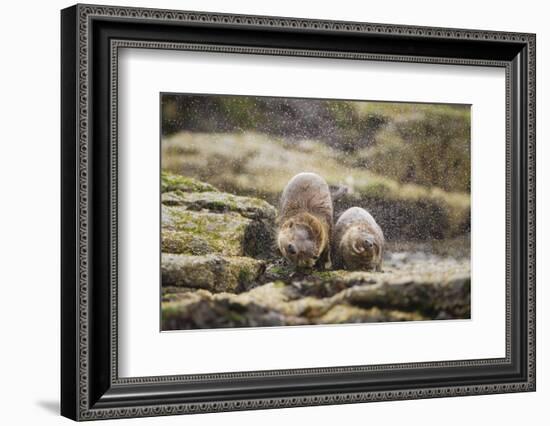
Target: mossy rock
[172,182]
[216,222]
[331,297]
[190,232]
[429,296]
[260,307]
[345,314]
[212,272]
[252,208]
[208,313]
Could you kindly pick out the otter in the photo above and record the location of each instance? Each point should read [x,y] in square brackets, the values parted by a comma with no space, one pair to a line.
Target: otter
[358,242]
[305,221]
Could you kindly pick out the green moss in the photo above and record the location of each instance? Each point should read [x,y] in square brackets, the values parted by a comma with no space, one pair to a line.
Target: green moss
[170,309]
[324,274]
[173,182]
[236,317]
[190,232]
[222,202]
[244,276]
[187,243]
[277,270]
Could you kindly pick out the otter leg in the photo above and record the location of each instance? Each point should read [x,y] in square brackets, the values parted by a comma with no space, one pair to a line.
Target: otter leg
[336,260]
[328,263]
[379,264]
[324,260]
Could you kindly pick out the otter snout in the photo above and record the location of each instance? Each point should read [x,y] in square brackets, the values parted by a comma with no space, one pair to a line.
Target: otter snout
[297,248]
[299,257]
[358,247]
[368,242]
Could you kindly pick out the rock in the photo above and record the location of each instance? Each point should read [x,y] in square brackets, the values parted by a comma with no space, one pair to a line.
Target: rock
[197,233]
[328,283]
[279,270]
[202,309]
[174,294]
[220,314]
[448,298]
[342,314]
[171,182]
[215,222]
[280,298]
[428,291]
[220,268]
[212,272]
[252,208]
[335,297]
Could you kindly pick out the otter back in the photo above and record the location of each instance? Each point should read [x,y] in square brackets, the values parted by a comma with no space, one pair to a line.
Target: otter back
[306,192]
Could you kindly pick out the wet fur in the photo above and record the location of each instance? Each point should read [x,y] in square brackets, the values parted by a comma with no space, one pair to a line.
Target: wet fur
[352,223]
[306,201]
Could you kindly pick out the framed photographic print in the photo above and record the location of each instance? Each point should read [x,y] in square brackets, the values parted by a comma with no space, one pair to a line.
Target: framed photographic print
[264,212]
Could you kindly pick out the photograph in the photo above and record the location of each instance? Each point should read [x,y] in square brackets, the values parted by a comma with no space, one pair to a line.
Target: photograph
[281,211]
[265,209]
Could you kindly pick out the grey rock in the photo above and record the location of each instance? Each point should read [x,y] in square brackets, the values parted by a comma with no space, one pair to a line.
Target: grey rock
[212,272]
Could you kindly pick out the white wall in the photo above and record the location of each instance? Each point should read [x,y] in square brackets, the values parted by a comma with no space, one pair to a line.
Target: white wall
[29,225]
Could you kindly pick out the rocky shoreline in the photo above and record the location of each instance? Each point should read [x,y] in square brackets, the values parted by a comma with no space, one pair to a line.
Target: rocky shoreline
[220,269]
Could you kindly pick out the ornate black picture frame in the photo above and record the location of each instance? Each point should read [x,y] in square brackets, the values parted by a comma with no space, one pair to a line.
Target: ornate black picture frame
[91,36]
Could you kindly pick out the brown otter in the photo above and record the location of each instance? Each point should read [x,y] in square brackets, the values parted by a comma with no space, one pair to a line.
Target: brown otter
[305,221]
[358,242]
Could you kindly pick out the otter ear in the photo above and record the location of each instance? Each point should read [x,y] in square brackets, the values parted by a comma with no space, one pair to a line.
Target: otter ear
[290,224]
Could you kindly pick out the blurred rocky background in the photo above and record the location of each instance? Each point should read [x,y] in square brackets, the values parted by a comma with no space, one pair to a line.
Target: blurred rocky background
[225,161]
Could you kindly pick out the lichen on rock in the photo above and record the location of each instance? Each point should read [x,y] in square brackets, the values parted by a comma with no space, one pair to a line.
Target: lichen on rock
[252,208]
[191,232]
[172,182]
[449,299]
[212,272]
[344,314]
[216,222]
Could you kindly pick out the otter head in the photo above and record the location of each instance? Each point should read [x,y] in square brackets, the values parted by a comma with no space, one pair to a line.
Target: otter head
[300,242]
[360,249]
